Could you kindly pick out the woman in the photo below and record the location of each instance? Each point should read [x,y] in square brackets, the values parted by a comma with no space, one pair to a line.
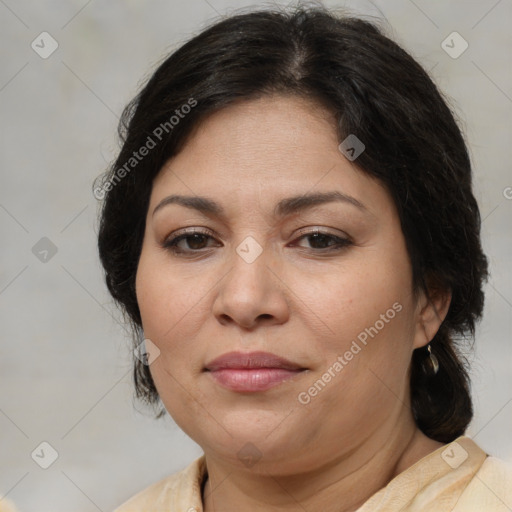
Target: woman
[291,230]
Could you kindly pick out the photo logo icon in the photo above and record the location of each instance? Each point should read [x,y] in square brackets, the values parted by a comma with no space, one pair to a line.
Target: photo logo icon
[454,455]
[44,250]
[454,45]
[249,249]
[352,147]
[44,45]
[249,455]
[146,352]
[44,455]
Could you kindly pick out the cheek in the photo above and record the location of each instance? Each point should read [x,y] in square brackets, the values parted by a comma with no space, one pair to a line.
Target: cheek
[363,375]
[164,296]
[367,312]
[174,308]
[350,300]
[170,305]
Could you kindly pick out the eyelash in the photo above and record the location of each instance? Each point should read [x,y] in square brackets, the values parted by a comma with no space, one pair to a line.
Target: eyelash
[171,243]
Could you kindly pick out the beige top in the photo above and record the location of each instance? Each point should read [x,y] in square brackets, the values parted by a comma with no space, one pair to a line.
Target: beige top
[458,477]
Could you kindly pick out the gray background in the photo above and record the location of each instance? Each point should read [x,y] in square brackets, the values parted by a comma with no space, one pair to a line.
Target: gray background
[65,359]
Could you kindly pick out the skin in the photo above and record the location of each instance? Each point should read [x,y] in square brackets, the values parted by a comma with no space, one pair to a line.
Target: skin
[297,300]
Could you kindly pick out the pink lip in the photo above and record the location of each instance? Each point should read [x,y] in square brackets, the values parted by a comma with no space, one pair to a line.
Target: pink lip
[254,371]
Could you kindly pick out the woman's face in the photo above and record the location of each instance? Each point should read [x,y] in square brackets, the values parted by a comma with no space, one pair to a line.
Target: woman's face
[337,305]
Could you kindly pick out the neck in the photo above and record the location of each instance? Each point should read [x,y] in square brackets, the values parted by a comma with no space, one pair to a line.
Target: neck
[342,484]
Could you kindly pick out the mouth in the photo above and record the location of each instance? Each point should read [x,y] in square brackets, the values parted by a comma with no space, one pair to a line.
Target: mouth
[252,372]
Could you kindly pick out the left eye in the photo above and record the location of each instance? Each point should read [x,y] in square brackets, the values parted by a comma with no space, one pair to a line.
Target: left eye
[322,241]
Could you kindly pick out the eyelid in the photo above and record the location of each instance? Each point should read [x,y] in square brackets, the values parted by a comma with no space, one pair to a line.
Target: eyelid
[311,230]
[192,230]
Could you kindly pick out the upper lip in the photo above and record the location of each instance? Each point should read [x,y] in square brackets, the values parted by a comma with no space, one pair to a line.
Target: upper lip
[248,360]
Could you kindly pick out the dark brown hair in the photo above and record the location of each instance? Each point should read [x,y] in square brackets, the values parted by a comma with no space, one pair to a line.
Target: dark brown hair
[376,91]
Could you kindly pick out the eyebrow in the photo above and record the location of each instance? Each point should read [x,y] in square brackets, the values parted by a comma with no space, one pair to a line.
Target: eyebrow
[285,207]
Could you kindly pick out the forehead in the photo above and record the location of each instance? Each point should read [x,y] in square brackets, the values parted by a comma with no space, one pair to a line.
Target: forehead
[271,147]
[269,134]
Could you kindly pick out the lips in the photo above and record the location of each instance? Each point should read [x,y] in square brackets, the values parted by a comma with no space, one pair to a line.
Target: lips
[251,360]
[253,371]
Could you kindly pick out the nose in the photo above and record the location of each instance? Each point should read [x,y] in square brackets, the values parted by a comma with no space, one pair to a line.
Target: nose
[252,293]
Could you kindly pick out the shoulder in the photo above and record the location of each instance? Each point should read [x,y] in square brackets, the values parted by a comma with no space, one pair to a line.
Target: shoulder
[6,506]
[180,491]
[490,489]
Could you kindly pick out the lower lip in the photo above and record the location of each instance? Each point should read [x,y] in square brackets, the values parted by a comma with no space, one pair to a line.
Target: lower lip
[254,379]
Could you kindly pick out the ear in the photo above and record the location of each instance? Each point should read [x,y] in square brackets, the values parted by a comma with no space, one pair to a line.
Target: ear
[432,309]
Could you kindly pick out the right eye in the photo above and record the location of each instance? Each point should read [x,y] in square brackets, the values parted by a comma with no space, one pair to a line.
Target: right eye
[192,241]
